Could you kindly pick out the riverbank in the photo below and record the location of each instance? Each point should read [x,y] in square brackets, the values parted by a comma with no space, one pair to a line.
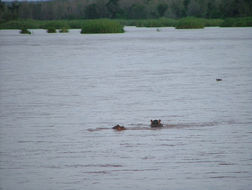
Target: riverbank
[183,23]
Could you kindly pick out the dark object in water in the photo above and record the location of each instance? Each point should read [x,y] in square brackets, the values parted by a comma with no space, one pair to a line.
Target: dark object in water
[119,128]
[156,123]
[25,31]
[218,80]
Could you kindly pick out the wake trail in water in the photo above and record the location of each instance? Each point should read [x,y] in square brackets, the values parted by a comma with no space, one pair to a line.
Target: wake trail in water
[141,126]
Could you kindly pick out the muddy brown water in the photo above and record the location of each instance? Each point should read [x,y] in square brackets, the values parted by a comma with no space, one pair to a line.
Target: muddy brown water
[60,95]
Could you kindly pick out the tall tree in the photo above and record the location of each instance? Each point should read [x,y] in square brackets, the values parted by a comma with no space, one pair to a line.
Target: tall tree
[113,8]
[91,11]
[194,9]
[161,8]
[134,9]
[137,11]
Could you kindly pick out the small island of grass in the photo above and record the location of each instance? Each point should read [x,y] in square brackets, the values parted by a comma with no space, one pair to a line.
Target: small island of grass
[51,30]
[63,30]
[101,26]
[25,31]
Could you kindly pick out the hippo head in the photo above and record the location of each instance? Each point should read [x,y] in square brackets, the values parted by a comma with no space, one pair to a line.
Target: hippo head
[156,123]
[119,128]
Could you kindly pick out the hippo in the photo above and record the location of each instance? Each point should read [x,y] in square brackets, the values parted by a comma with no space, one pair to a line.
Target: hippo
[119,128]
[156,123]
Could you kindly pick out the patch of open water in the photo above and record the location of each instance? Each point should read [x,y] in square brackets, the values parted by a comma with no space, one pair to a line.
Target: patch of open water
[60,95]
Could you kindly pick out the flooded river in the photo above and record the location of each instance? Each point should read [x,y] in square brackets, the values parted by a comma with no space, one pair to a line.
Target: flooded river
[60,95]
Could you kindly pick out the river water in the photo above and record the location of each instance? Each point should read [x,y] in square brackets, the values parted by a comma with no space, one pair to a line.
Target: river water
[60,95]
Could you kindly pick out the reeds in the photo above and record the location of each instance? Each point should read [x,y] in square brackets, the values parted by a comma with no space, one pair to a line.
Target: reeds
[190,23]
[212,22]
[63,30]
[237,22]
[101,26]
[17,24]
[160,22]
[116,26]
[185,23]
[25,31]
[57,24]
[51,30]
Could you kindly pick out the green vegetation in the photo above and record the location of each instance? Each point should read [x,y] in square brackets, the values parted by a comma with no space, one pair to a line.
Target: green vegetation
[212,22]
[116,25]
[168,22]
[190,23]
[197,23]
[17,24]
[123,9]
[160,22]
[63,30]
[75,24]
[101,26]
[87,14]
[51,30]
[25,31]
[237,22]
[42,24]
[57,24]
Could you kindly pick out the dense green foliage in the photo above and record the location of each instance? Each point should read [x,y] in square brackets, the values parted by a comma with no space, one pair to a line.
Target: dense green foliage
[117,25]
[63,30]
[123,9]
[51,30]
[237,22]
[41,24]
[160,22]
[101,26]
[18,24]
[188,23]
[25,31]
[213,22]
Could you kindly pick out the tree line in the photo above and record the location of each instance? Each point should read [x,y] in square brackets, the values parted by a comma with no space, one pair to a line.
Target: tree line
[124,9]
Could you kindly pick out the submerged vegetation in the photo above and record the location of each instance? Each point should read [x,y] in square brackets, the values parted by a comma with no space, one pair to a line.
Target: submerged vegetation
[63,30]
[25,31]
[101,26]
[51,30]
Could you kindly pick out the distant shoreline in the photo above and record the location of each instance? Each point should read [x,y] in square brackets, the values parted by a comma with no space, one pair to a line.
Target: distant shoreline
[183,23]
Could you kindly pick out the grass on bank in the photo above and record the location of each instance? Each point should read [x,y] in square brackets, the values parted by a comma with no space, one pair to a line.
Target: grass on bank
[160,22]
[237,22]
[63,30]
[108,26]
[190,23]
[19,24]
[101,26]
